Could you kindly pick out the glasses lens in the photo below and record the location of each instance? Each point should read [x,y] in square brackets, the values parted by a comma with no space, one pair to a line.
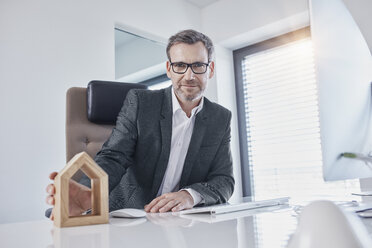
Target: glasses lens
[179,67]
[199,68]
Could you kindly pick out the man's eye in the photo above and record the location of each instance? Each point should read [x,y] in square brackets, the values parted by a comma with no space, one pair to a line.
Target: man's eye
[197,65]
[180,65]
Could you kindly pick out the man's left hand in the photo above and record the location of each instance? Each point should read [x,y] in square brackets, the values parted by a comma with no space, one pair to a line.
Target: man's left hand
[174,202]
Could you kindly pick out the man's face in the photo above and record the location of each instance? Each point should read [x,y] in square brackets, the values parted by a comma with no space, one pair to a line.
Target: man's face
[189,86]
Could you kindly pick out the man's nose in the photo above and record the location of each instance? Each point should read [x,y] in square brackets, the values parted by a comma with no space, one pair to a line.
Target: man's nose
[189,74]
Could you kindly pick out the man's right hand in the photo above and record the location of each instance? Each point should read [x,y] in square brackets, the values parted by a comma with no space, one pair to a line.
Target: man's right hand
[80,197]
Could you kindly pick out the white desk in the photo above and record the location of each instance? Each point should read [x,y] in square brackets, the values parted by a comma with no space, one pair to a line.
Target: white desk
[254,228]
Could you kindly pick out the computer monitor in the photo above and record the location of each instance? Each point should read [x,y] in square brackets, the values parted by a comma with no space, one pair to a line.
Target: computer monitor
[344,75]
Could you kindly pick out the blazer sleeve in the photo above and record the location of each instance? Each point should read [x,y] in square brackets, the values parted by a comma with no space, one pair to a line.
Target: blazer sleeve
[219,184]
[118,151]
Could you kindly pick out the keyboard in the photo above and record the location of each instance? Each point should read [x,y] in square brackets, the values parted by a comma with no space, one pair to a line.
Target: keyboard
[234,207]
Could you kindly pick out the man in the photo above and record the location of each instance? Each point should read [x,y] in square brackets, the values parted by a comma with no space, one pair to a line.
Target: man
[170,149]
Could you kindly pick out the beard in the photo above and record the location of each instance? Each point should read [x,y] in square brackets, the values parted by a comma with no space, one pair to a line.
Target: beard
[189,94]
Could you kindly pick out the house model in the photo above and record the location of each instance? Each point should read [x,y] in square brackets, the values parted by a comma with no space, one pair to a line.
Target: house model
[99,185]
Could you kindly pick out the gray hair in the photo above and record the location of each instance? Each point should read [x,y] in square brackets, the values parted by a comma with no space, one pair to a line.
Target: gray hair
[190,37]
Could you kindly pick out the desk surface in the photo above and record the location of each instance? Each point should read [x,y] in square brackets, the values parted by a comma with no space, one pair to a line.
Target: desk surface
[270,227]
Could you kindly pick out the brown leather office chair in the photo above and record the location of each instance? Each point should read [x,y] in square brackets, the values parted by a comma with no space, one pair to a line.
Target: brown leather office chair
[91,114]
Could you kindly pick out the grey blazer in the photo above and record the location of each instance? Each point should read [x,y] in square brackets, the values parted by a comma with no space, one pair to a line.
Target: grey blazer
[137,152]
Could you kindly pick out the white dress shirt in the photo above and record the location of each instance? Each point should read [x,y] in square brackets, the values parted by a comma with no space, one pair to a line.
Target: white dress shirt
[182,127]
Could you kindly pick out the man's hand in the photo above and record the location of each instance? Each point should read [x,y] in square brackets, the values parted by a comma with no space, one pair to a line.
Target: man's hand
[80,197]
[174,202]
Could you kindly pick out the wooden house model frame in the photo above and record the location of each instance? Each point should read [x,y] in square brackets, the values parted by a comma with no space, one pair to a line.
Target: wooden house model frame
[99,187]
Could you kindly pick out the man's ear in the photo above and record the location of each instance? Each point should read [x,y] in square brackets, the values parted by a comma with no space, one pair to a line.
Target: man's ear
[168,65]
[211,69]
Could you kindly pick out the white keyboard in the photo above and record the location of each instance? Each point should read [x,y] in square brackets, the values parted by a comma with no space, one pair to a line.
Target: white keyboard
[228,208]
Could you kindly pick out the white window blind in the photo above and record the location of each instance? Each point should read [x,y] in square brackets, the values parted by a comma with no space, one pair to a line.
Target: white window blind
[281,112]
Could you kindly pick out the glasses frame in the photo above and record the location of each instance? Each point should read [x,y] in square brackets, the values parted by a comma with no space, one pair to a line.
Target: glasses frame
[190,66]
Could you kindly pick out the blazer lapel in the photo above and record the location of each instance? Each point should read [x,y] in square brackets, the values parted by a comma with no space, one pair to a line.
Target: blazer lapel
[166,136]
[195,143]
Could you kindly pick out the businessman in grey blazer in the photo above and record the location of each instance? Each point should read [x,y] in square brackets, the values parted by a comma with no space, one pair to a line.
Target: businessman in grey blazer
[170,149]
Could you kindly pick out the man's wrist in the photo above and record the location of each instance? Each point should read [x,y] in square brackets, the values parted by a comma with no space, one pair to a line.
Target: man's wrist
[197,198]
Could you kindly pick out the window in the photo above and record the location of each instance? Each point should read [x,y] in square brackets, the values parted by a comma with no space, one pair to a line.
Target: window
[279,120]
[140,60]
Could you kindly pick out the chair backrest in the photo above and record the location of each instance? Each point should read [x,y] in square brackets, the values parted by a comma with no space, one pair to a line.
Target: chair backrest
[91,114]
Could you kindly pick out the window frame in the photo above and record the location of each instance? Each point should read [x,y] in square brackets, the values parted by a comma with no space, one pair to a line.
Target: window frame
[238,56]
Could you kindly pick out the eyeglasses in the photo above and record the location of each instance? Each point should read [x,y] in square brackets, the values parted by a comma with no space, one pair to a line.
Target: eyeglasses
[197,67]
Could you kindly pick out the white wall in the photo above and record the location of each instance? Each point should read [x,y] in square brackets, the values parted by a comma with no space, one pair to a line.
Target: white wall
[45,48]
[229,18]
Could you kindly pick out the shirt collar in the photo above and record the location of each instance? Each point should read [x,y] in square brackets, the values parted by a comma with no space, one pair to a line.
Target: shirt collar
[176,105]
